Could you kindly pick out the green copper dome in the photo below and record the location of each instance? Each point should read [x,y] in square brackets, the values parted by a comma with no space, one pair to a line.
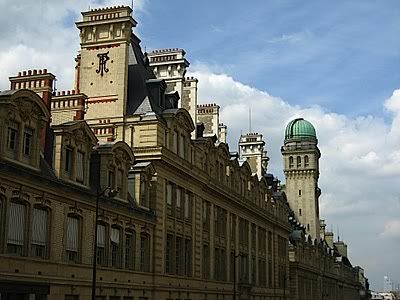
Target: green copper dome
[300,129]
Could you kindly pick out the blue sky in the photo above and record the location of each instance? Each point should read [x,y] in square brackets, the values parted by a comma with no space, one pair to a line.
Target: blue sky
[336,63]
[343,55]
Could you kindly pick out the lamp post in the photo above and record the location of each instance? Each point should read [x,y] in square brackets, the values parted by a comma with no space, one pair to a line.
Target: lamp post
[99,193]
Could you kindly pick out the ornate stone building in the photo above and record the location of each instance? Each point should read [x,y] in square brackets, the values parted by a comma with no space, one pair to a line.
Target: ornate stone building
[187,212]
[319,267]
[179,215]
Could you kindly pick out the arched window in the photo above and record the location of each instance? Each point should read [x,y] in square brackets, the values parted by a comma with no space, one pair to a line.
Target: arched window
[144,252]
[40,225]
[306,161]
[116,247]
[298,159]
[73,239]
[130,249]
[16,239]
[101,244]
[291,163]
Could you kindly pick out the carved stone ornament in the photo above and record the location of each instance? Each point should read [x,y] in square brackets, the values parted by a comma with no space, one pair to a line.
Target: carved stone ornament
[119,156]
[79,135]
[103,58]
[27,109]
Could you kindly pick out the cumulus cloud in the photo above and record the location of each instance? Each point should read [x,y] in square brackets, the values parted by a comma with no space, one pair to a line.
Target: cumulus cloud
[359,166]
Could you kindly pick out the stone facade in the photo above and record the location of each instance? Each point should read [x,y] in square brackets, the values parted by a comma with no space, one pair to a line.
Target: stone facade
[178,217]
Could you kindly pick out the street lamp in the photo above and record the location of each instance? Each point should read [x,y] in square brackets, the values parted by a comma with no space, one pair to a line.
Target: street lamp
[112,193]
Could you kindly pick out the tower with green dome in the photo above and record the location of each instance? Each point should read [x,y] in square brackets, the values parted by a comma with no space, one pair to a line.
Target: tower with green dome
[301,168]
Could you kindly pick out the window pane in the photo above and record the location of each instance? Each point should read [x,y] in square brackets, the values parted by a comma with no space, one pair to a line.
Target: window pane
[28,141]
[12,135]
[72,234]
[16,224]
[130,248]
[80,166]
[39,227]
[101,236]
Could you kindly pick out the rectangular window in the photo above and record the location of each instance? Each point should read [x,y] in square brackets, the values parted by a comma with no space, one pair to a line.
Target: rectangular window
[299,192]
[178,256]
[144,253]
[233,228]
[16,229]
[28,141]
[39,233]
[169,254]
[130,248]
[178,202]
[101,245]
[206,261]
[72,245]
[12,135]
[144,196]
[115,248]
[188,207]
[169,193]
[188,257]
[68,160]
[206,215]
[299,211]
[217,264]
[80,166]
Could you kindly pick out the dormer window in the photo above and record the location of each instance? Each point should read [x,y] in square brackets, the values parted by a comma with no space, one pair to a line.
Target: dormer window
[12,135]
[68,160]
[80,166]
[28,141]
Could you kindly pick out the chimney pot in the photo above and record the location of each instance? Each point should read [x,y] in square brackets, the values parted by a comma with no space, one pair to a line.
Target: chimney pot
[24,73]
[73,92]
[68,92]
[19,74]
[44,71]
[40,71]
[34,72]
[63,93]
[29,72]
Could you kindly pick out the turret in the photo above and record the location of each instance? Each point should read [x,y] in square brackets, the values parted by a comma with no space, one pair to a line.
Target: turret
[301,167]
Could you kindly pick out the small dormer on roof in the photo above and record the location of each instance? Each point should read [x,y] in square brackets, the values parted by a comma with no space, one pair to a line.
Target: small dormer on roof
[23,119]
[110,166]
[73,143]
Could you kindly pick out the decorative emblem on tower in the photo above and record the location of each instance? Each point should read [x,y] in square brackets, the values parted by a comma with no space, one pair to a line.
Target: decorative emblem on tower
[103,58]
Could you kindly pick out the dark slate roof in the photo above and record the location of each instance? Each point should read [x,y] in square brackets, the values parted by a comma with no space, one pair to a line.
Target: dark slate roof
[143,86]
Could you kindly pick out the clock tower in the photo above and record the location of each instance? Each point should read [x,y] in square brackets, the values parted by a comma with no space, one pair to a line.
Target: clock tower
[102,65]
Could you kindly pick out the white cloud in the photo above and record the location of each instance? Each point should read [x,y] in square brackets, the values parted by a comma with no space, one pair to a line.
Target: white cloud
[392,229]
[359,166]
[42,34]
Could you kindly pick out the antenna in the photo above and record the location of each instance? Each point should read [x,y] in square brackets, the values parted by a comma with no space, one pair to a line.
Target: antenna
[132,4]
[338,234]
